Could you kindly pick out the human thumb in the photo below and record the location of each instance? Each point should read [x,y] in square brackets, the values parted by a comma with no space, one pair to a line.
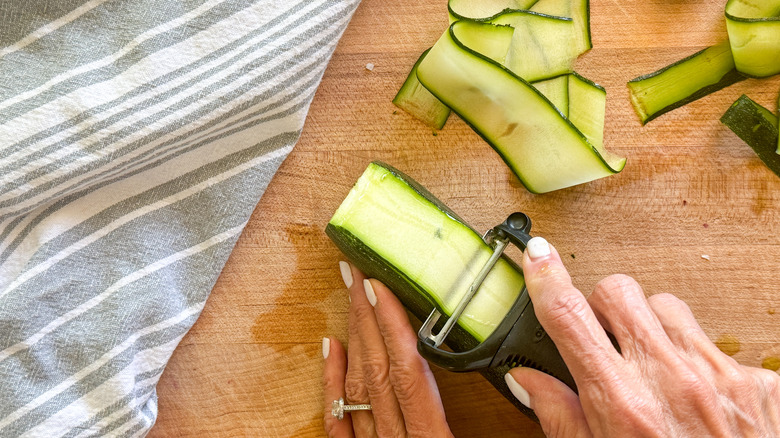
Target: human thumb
[555,404]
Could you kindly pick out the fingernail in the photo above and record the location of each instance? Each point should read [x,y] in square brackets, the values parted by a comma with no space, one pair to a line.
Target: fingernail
[369,292]
[538,248]
[325,347]
[518,391]
[346,273]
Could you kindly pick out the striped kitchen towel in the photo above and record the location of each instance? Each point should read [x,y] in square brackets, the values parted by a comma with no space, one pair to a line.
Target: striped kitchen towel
[136,138]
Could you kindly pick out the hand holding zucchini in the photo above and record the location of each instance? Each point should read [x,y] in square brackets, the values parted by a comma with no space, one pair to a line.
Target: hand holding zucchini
[394,230]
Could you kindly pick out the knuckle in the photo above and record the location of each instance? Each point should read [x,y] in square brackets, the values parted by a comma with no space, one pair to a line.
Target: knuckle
[770,380]
[406,380]
[567,306]
[330,381]
[693,386]
[355,389]
[615,286]
[375,373]
[363,313]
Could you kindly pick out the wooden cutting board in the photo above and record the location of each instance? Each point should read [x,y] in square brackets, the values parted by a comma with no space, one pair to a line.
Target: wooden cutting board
[251,366]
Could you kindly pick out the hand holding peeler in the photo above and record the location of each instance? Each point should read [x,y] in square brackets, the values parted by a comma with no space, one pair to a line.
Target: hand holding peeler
[519,340]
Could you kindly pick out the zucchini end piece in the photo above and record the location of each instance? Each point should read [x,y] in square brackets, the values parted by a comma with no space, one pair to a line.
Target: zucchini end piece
[757,127]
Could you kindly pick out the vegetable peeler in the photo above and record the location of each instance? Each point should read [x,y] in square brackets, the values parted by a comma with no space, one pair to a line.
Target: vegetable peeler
[519,340]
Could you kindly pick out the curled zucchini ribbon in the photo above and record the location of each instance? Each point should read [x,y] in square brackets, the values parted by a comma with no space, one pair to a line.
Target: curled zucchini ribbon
[506,68]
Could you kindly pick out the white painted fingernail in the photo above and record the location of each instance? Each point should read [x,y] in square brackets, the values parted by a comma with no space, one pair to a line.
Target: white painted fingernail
[346,273]
[325,347]
[369,292]
[518,391]
[538,248]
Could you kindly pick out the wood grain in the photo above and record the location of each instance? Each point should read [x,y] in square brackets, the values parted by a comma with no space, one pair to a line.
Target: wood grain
[251,365]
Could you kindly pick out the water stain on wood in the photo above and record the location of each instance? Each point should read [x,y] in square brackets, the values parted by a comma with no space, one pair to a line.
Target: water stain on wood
[295,317]
[728,344]
[771,363]
[293,324]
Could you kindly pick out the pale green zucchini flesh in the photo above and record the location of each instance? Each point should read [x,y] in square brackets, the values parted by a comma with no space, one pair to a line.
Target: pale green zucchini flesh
[587,111]
[542,147]
[754,33]
[542,45]
[683,82]
[556,90]
[757,127]
[438,253]
[548,38]
[578,11]
[419,102]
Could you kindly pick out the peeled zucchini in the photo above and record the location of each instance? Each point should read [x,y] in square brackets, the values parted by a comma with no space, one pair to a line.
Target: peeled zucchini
[436,252]
[542,147]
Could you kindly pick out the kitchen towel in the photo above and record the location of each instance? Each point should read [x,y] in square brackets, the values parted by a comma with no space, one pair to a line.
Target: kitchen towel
[136,138]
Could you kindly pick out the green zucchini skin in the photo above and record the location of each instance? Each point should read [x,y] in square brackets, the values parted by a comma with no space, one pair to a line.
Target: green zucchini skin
[757,127]
[418,102]
[410,293]
[729,78]
[455,15]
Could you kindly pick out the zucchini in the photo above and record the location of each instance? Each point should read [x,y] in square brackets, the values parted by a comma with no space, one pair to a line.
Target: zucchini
[556,90]
[419,102]
[548,38]
[543,46]
[754,33]
[394,230]
[577,10]
[541,146]
[435,252]
[757,127]
[587,110]
[683,82]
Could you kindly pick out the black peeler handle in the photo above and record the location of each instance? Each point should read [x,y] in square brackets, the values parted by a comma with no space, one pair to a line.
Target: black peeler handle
[519,339]
[528,345]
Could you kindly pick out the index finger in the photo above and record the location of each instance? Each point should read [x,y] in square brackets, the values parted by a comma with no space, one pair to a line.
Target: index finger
[565,313]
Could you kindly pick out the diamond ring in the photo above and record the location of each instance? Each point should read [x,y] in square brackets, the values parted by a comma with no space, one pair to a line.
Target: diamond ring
[339,408]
